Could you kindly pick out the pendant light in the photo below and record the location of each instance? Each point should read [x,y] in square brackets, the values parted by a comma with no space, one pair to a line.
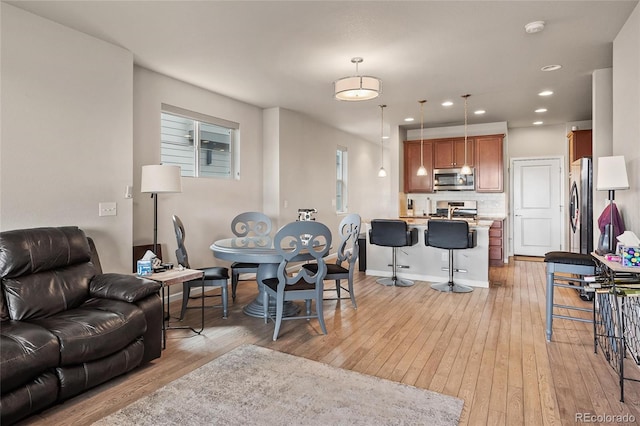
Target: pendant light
[382,172]
[421,170]
[357,87]
[466,170]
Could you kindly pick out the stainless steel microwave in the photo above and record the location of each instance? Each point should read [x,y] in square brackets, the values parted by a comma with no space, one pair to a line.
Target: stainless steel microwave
[453,180]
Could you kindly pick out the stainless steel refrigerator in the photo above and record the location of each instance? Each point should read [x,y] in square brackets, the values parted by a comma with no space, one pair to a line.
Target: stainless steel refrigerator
[581,206]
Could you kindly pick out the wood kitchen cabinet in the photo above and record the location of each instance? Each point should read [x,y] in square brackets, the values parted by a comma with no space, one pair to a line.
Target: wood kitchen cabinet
[412,182]
[449,153]
[579,144]
[489,163]
[496,247]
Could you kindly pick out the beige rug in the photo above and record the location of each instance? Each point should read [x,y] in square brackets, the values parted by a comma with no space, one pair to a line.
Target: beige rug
[252,385]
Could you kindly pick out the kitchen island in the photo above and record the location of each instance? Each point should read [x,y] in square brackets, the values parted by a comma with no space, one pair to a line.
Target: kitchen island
[427,263]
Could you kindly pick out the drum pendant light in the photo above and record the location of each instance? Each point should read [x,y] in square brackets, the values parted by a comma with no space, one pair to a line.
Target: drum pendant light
[357,87]
[421,170]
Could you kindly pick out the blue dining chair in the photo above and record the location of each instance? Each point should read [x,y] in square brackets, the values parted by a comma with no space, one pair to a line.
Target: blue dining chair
[214,276]
[346,258]
[247,224]
[294,242]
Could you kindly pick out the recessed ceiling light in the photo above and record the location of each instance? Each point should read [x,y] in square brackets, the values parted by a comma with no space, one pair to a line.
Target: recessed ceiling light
[479,112]
[447,103]
[534,27]
[409,119]
[537,123]
[555,67]
[385,137]
[539,110]
[545,93]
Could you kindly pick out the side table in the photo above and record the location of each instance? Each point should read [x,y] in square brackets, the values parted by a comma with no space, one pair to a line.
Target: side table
[167,279]
[616,312]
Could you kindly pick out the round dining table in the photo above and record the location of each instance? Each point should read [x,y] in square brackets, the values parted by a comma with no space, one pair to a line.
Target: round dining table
[258,250]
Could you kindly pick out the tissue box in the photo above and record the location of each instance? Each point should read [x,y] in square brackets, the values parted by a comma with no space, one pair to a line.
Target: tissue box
[144,268]
[630,255]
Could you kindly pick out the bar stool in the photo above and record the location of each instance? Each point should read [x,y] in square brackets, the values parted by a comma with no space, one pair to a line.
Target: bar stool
[451,235]
[568,263]
[393,233]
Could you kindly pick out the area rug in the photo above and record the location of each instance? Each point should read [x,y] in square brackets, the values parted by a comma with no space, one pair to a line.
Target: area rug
[252,385]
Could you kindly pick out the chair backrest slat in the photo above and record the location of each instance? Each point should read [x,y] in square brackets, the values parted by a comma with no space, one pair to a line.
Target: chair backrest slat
[298,240]
[349,234]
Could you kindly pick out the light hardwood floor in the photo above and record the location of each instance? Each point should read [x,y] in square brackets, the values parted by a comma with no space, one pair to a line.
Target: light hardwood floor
[487,347]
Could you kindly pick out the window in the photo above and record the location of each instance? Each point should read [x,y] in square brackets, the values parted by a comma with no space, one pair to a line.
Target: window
[202,146]
[341,180]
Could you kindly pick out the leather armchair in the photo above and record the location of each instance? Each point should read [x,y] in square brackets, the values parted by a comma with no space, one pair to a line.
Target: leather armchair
[65,326]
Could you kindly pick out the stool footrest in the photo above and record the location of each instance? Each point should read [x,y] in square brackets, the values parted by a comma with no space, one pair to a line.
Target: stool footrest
[575,308]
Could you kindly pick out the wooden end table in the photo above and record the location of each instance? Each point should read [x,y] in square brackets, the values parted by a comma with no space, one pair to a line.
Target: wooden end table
[167,279]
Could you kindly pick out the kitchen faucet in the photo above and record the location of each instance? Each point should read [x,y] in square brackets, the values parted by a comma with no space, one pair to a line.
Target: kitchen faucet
[450,212]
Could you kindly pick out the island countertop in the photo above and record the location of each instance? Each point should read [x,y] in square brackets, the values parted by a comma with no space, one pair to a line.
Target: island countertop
[424,263]
[422,220]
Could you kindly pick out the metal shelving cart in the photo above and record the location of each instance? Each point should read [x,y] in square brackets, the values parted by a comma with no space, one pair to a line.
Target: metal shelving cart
[616,317]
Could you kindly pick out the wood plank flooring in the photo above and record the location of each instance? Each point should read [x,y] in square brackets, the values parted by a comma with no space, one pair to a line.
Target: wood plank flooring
[487,347]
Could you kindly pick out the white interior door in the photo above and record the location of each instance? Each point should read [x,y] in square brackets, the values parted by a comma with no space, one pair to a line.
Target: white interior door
[537,206]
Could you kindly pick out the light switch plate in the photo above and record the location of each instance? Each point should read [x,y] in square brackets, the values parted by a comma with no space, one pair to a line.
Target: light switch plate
[107,209]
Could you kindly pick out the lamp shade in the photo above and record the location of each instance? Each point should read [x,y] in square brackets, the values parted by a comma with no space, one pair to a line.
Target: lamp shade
[358,88]
[160,178]
[612,173]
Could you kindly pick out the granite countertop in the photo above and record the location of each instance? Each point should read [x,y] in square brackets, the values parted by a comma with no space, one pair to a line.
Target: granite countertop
[422,221]
[491,217]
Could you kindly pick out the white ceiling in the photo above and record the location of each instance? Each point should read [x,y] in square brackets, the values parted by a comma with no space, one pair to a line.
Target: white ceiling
[288,53]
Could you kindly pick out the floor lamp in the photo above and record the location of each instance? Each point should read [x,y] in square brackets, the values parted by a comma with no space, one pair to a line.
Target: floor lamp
[612,175]
[157,179]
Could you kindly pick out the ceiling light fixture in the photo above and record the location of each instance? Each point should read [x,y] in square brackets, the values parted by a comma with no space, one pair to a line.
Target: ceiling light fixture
[447,103]
[382,172]
[539,110]
[357,87]
[545,93]
[551,68]
[409,119]
[538,123]
[534,27]
[479,112]
[466,170]
[421,170]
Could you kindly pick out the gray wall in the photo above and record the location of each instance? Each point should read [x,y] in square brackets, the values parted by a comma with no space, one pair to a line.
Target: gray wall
[626,115]
[66,137]
[205,206]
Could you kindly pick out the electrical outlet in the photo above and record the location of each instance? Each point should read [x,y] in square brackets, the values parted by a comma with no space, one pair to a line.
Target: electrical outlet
[107,209]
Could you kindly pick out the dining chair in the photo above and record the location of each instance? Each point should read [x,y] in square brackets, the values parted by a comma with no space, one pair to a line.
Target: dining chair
[295,242]
[347,256]
[247,224]
[214,276]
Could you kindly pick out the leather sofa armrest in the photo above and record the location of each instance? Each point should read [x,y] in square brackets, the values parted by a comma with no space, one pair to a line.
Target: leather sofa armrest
[127,288]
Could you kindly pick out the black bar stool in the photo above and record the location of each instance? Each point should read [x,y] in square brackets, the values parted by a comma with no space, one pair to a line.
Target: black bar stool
[451,235]
[393,233]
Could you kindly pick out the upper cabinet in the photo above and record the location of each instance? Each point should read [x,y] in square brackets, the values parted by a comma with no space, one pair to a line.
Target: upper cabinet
[489,164]
[412,182]
[449,153]
[579,144]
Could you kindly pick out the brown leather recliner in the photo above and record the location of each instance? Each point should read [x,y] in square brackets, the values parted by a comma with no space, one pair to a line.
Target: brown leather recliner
[64,325]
